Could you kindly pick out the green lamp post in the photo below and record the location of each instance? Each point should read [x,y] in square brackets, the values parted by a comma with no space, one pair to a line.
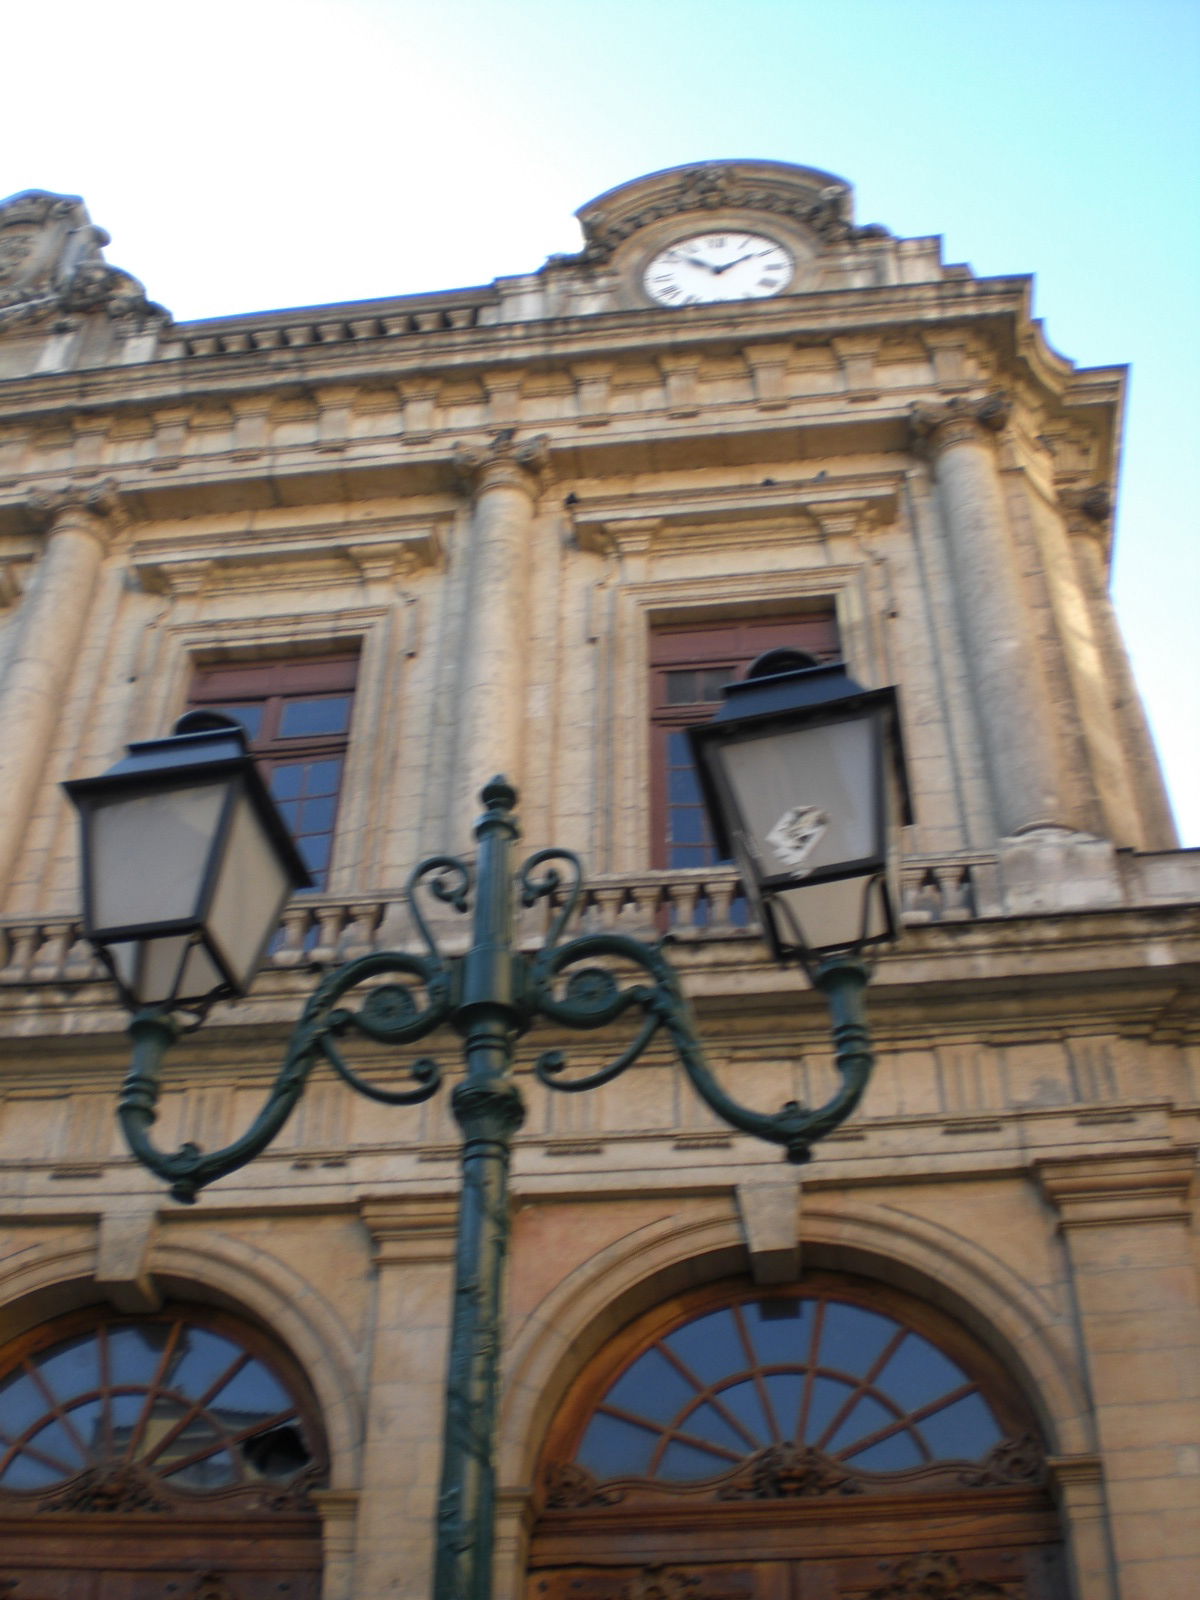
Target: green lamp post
[186,868]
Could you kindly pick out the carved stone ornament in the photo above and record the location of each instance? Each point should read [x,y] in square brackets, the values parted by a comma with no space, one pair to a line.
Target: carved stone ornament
[212,1586]
[936,427]
[1088,508]
[505,460]
[1012,1461]
[817,200]
[98,503]
[126,1487]
[790,1472]
[52,269]
[569,1487]
[939,1577]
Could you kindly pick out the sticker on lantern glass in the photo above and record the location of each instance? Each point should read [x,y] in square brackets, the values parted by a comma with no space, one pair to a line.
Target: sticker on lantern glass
[796,835]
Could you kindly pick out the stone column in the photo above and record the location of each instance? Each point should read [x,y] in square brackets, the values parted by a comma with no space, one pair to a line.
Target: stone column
[503,480]
[414,1258]
[1126,1223]
[1012,705]
[79,522]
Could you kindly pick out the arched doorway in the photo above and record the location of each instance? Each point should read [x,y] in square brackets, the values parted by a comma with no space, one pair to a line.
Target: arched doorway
[838,1441]
[167,1456]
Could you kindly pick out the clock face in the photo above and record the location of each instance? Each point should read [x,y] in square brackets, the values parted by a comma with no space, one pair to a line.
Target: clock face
[718,266]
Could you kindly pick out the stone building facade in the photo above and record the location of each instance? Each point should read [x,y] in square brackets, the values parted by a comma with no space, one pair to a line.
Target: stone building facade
[526,528]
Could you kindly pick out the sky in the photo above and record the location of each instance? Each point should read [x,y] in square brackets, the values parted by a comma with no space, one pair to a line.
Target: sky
[255,154]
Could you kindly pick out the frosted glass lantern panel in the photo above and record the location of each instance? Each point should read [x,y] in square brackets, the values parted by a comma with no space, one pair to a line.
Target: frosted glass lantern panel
[149,855]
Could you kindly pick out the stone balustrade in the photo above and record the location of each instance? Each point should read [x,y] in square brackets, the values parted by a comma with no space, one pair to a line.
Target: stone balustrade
[702,904]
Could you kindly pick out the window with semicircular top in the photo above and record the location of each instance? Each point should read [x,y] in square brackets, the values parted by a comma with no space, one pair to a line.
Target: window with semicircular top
[160,1446]
[790,1429]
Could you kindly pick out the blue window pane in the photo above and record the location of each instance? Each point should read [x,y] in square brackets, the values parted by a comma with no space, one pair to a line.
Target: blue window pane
[679,752]
[689,855]
[21,1404]
[965,1430]
[707,1423]
[866,1417]
[126,1410]
[685,1462]
[688,825]
[682,687]
[653,1388]
[72,1368]
[54,1440]
[135,1352]
[287,783]
[306,718]
[896,1454]
[613,1448]
[683,787]
[851,1339]
[918,1373]
[88,1421]
[786,1390]
[780,1330]
[710,1346]
[828,1397]
[200,1360]
[213,1472]
[314,853]
[316,816]
[27,1472]
[323,777]
[743,1400]
[252,1392]
[289,810]
[250,717]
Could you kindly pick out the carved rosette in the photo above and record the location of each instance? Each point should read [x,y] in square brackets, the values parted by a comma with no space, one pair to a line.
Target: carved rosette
[568,1487]
[506,462]
[935,428]
[1088,510]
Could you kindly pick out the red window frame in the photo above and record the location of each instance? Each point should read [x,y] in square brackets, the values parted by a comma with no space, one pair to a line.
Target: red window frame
[716,653]
[301,752]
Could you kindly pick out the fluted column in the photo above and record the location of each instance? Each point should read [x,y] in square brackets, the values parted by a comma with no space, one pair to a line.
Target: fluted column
[503,479]
[79,522]
[1012,705]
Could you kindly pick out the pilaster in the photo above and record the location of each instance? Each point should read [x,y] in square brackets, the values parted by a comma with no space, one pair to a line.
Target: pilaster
[1126,1223]
[1012,705]
[79,522]
[413,1241]
[503,479]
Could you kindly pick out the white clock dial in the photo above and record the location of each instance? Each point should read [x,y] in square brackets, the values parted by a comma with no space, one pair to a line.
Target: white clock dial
[718,266]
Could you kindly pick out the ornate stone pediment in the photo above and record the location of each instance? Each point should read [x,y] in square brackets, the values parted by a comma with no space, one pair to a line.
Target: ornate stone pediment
[818,200]
[51,266]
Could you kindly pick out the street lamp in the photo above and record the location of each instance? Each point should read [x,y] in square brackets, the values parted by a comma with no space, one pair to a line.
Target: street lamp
[153,813]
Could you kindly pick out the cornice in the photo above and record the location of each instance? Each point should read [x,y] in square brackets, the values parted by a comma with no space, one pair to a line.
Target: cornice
[1091,1191]
[814,317]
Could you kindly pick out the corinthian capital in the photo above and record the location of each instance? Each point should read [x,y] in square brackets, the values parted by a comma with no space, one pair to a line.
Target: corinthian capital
[935,428]
[516,463]
[95,506]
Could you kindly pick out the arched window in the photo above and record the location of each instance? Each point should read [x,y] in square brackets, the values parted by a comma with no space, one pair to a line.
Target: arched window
[763,1440]
[159,1445]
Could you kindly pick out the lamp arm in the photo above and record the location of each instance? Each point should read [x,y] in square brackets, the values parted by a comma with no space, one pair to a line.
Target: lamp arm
[797,1128]
[389,1015]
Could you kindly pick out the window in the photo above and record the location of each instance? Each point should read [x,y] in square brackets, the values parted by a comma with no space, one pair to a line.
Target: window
[689,667]
[297,719]
[834,1438]
[143,1454]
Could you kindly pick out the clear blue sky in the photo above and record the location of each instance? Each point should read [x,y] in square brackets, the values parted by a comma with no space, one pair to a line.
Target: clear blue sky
[255,153]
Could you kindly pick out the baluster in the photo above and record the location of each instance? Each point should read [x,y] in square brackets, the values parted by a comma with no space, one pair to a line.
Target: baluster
[52,953]
[22,943]
[720,901]
[329,922]
[356,940]
[287,948]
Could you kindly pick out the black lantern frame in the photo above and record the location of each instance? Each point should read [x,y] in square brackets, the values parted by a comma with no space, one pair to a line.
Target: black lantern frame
[206,750]
[784,693]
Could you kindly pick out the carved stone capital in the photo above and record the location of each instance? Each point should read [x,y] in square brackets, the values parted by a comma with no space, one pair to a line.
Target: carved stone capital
[1087,509]
[507,462]
[936,428]
[420,1230]
[96,508]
